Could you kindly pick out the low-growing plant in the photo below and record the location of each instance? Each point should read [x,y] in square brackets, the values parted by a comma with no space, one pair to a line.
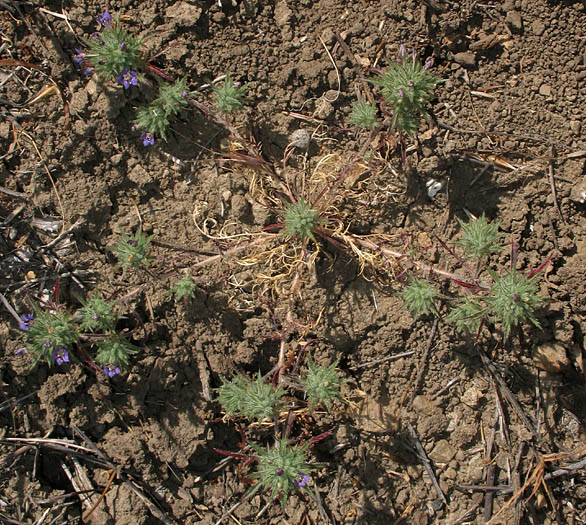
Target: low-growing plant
[479,237]
[113,52]
[407,88]
[228,96]
[132,250]
[419,297]
[116,54]
[321,384]
[282,468]
[363,115]
[53,335]
[513,300]
[509,299]
[113,353]
[155,118]
[98,315]
[49,334]
[184,288]
[249,399]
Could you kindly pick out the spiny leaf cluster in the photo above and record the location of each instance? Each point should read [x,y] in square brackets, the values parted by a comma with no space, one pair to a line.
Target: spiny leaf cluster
[407,87]
[132,250]
[157,116]
[281,469]
[250,399]
[321,384]
[113,50]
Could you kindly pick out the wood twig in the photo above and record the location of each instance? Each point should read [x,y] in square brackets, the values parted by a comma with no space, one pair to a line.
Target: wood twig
[426,463]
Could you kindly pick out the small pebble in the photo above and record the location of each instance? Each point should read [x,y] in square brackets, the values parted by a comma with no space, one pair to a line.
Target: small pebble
[300,138]
[466,58]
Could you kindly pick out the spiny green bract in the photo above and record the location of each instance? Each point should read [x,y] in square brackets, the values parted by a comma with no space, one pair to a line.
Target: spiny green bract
[281,468]
[249,399]
[228,97]
[513,300]
[363,115]
[322,384]
[408,87]
[467,314]
[300,220]
[479,237]
[113,50]
[116,350]
[184,288]
[51,330]
[156,117]
[419,297]
[98,315]
[131,251]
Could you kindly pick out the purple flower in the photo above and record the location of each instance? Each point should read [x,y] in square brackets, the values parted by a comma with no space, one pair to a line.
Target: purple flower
[401,93]
[26,321]
[127,78]
[122,46]
[428,63]
[48,344]
[79,56]
[147,139]
[301,480]
[111,370]
[95,317]
[402,50]
[20,351]
[279,472]
[105,19]
[61,356]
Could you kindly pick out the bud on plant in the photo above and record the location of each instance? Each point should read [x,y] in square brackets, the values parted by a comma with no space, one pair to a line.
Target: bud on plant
[419,297]
[322,384]
[479,237]
[132,251]
[249,399]
[228,97]
[408,87]
[281,469]
[363,115]
[98,315]
[513,300]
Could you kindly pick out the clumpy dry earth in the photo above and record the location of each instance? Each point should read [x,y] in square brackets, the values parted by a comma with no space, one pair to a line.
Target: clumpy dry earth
[507,125]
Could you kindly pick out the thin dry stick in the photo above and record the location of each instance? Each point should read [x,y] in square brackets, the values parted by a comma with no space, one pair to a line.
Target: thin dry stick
[553,188]
[155,511]
[507,392]
[102,496]
[48,172]
[423,361]
[384,359]
[426,463]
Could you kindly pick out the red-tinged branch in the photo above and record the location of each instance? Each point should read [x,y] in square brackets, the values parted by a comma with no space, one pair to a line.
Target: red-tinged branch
[235,455]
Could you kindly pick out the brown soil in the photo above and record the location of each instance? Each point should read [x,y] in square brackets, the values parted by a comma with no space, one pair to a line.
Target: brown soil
[510,109]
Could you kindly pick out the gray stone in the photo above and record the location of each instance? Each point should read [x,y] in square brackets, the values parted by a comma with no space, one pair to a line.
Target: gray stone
[514,21]
[465,58]
[443,452]
[538,27]
[545,90]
